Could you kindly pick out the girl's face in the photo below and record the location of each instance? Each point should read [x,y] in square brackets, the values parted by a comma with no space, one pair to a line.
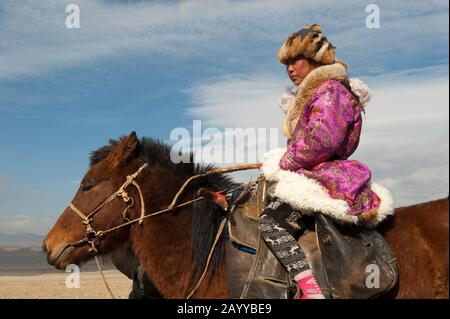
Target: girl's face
[299,69]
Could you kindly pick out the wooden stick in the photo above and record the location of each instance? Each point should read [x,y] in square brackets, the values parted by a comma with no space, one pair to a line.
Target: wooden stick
[220,170]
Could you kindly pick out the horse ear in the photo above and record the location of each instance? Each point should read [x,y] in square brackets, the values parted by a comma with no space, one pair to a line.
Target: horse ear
[125,150]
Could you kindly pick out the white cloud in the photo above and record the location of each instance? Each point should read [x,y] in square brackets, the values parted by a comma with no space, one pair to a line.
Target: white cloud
[222,102]
[405,137]
[36,41]
[238,102]
[415,172]
[22,223]
[407,114]
[35,38]
[2,180]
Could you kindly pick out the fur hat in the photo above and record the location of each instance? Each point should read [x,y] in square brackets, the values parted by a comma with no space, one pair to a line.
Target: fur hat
[308,42]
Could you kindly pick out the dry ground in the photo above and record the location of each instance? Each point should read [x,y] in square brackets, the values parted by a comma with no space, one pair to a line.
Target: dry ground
[53,285]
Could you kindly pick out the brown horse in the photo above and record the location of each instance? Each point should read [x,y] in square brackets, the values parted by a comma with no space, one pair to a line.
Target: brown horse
[173,247]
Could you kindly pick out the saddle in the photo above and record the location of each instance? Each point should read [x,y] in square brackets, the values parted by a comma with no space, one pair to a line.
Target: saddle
[347,262]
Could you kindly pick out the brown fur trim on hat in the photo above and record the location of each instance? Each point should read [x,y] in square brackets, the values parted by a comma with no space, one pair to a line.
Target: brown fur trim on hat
[308,42]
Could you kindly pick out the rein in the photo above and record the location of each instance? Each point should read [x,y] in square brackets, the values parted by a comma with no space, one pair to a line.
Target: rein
[92,234]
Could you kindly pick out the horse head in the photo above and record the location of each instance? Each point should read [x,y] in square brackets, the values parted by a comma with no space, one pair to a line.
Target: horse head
[98,205]
[129,181]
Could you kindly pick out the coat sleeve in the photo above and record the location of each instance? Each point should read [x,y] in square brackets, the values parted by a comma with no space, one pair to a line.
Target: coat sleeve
[317,137]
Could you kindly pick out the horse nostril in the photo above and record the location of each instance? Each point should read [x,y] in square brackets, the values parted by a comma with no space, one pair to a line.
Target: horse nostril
[44,248]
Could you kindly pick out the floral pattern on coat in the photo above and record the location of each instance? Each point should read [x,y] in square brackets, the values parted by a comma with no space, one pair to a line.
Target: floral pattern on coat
[326,134]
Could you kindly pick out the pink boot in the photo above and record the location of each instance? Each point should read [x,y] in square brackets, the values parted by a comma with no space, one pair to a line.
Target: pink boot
[307,284]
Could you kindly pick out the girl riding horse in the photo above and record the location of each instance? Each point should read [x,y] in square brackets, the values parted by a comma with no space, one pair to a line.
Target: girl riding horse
[323,125]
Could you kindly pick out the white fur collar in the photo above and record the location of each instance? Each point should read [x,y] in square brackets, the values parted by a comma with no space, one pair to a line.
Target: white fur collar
[309,196]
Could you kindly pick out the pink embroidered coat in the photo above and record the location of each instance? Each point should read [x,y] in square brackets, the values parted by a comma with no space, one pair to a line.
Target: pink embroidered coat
[323,125]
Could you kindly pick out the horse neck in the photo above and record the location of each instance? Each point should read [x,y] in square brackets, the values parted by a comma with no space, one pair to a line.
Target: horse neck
[163,243]
[163,248]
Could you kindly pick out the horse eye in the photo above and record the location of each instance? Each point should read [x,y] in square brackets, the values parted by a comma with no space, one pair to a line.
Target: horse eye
[86,187]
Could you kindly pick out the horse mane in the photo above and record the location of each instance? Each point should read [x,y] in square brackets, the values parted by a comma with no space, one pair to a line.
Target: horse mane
[206,215]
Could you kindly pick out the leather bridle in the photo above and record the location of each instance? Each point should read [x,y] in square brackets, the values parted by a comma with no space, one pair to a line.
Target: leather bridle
[91,233]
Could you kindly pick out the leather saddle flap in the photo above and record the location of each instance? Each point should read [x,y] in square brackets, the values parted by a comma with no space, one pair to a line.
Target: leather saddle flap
[357,262]
[258,275]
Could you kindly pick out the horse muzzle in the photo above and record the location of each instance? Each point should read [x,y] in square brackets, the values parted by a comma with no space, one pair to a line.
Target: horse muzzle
[58,258]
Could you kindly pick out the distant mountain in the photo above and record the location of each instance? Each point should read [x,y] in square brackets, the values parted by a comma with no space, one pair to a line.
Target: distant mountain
[32,260]
[22,254]
[21,239]
[16,258]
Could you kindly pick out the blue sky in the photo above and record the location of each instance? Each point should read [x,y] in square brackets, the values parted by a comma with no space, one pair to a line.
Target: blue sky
[152,66]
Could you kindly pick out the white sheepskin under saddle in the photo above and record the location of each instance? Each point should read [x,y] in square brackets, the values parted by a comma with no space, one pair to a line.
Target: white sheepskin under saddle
[308,196]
